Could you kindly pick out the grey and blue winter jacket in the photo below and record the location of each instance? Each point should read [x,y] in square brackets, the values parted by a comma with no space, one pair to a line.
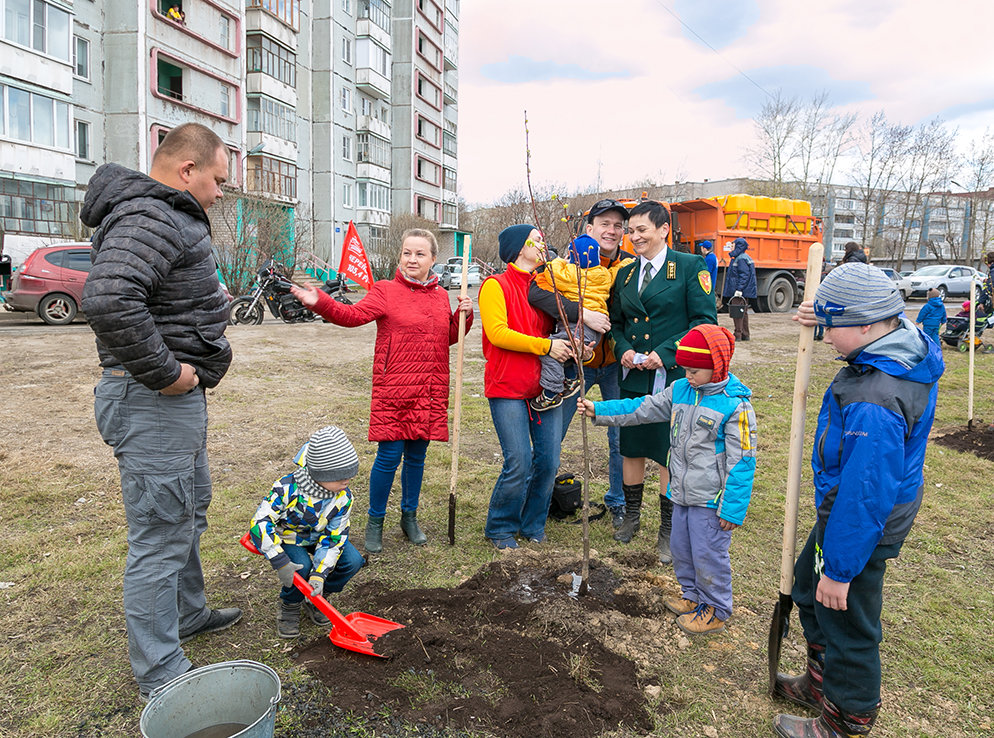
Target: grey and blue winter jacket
[712,459]
[870,447]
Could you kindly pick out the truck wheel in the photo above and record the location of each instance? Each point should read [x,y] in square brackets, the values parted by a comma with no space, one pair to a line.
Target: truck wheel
[779,298]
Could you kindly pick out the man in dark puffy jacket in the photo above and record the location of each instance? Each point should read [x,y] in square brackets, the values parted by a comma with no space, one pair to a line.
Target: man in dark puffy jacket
[155,304]
[740,287]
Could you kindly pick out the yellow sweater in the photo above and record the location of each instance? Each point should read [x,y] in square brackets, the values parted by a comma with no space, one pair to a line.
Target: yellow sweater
[597,281]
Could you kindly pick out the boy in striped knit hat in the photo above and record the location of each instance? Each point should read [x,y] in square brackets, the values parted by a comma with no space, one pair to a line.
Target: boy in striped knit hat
[303,525]
[712,463]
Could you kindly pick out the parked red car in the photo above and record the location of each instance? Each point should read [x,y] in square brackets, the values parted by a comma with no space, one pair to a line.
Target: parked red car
[50,282]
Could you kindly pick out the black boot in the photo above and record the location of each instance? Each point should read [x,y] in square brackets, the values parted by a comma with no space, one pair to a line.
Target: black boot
[665,528]
[805,689]
[633,513]
[374,535]
[833,723]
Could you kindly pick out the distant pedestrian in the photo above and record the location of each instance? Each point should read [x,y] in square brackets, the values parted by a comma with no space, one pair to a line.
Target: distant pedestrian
[710,260]
[852,251]
[932,316]
[740,287]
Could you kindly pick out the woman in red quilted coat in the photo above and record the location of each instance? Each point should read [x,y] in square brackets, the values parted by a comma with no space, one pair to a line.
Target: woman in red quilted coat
[410,401]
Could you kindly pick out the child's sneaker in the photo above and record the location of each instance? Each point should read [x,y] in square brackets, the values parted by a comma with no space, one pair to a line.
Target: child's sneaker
[700,621]
[543,402]
[679,605]
[317,617]
[571,387]
[288,619]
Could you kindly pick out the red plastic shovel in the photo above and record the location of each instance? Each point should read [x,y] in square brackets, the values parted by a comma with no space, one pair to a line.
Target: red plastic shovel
[355,631]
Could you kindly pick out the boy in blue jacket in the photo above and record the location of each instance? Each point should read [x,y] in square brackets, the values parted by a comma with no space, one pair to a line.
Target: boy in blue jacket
[868,456]
[303,525]
[932,316]
[712,463]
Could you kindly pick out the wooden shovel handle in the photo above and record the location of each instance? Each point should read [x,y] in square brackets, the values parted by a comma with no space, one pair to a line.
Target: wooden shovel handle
[457,402]
[805,345]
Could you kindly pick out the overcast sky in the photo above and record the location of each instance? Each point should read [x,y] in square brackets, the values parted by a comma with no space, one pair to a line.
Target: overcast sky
[667,89]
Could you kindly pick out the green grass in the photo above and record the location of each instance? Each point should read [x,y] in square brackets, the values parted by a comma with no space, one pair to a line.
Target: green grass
[64,648]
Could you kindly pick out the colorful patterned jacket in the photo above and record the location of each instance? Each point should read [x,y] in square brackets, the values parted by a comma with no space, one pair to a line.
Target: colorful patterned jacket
[287,515]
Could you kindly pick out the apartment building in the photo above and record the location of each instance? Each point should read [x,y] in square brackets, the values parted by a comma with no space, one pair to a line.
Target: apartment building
[334,110]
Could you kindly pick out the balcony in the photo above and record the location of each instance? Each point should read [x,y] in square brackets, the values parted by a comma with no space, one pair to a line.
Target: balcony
[449,94]
[372,83]
[366,27]
[373,125]
[373,171]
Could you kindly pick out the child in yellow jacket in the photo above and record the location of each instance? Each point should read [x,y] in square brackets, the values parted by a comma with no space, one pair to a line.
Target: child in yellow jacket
[560,380]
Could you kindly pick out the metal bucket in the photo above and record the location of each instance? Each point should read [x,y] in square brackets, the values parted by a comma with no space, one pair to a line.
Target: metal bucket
[736,307]
[232,693]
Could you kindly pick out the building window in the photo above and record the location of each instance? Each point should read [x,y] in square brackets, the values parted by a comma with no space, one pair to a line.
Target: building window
[426,170]
[427,208]
[449,143]
[450,215]
[225,107]
[81,57]
[449,179]
[346,194]
[432,12]
[224,32]
[845,204]
[34,118]
[272,176]
[428,131]
[266,56]
[38,26]
[82,140]
[429,92]
[347,7]
[429,51]
[365,105]
[373,150]
[169,80]
[265,115]
[345,100]
[371,54]
[347,147]
[347,51]
[374,196]
[287,11]
[377,11]
[377,239]
[37,208]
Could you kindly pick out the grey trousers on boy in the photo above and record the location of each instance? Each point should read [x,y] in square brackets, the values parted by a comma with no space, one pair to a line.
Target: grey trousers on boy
[160,443]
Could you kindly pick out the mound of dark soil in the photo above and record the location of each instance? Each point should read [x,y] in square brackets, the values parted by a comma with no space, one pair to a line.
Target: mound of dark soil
[978,441]
[492,655]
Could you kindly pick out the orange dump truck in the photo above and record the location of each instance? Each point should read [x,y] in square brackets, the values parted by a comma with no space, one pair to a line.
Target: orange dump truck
[779,231]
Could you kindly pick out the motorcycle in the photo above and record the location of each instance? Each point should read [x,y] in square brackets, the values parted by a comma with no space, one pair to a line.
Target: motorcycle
[272,289]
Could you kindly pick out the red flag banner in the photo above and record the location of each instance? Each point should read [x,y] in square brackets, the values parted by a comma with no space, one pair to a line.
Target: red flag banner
[354,264]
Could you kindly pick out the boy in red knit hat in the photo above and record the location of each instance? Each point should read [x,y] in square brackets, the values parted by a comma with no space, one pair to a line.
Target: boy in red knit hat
[712,464]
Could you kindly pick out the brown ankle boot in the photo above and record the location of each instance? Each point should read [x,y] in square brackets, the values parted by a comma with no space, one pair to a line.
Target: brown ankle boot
[804,689]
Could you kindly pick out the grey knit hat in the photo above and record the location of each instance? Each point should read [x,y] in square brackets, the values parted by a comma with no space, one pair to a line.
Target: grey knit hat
[856,294]
[327,457]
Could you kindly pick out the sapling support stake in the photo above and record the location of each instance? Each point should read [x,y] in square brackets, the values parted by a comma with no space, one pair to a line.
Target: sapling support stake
[973,336]
[805,344]
[457,401]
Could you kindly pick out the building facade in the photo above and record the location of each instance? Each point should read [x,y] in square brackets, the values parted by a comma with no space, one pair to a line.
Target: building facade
[334,110]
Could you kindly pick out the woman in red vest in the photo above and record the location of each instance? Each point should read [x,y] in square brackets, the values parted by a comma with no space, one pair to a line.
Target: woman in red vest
[514,335]
[410,400]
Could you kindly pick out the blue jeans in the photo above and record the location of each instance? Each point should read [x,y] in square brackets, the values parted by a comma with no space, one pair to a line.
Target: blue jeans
[160,443]
[607,378]
[349,563]
[530,442]
[381,475]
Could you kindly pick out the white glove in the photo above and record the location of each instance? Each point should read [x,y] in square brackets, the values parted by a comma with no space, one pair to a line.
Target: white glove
[738,293]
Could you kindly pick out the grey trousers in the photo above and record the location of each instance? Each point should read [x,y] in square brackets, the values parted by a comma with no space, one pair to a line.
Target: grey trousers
[552,374]
[160,443]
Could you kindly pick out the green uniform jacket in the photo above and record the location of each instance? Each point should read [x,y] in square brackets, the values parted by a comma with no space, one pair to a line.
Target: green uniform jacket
[673,303]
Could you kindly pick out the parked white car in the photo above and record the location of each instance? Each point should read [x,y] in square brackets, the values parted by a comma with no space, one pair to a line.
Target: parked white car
[949,279]
[903,283]
[452,278]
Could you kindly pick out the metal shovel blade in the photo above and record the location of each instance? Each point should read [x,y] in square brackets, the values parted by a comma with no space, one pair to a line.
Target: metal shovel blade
[779,628]
[353,632]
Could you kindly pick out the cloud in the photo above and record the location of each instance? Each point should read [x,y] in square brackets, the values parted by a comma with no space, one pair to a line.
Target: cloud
[801,81]
[522,70]
[716,22]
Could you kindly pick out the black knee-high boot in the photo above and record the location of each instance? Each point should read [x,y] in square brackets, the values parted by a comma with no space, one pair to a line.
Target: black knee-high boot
[665,528]
[633,513]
